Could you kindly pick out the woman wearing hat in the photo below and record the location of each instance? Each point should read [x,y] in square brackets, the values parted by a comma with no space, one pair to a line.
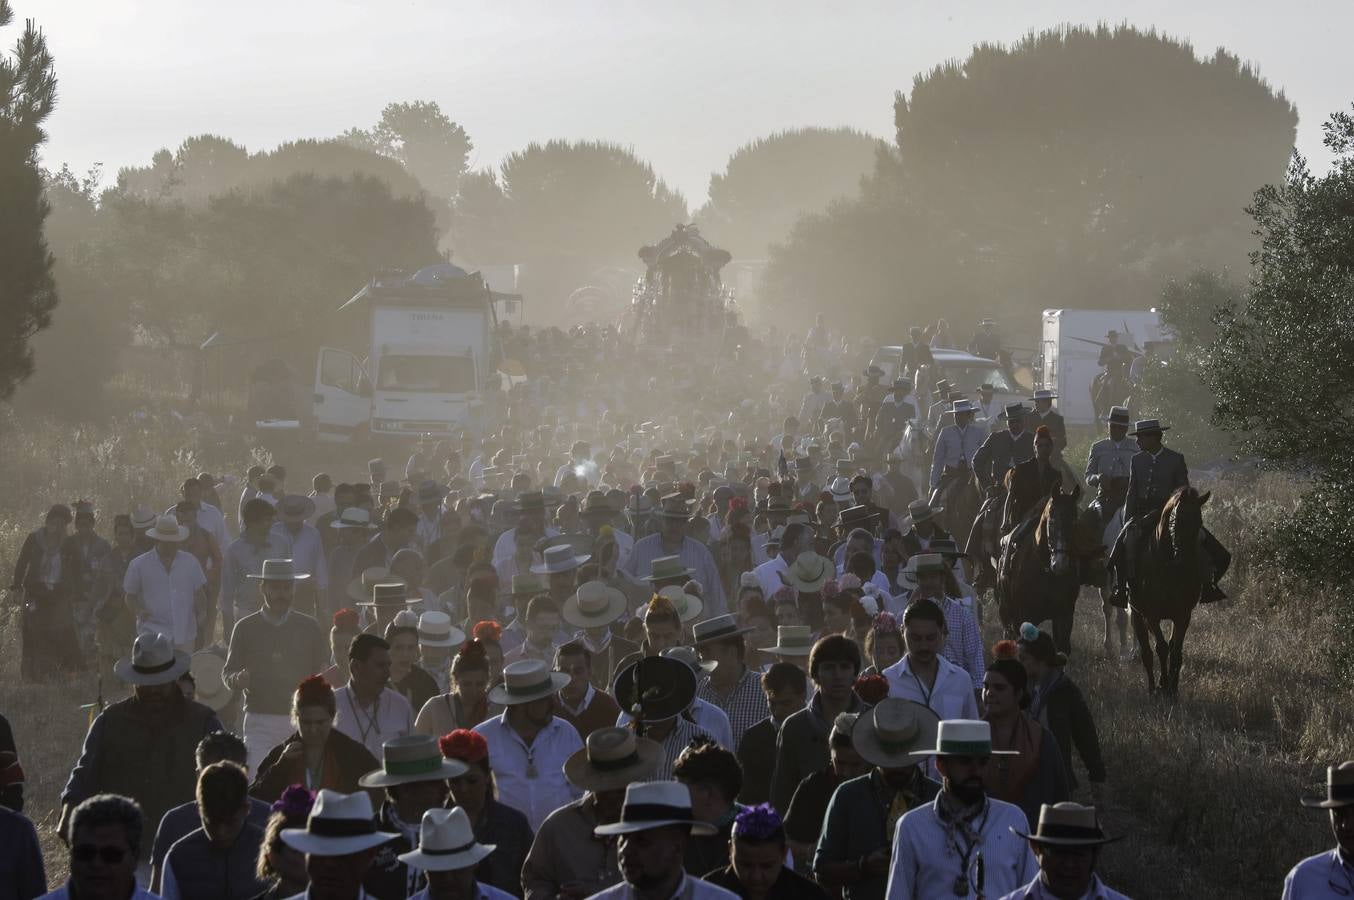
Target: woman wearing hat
[317,755]
[1035,773]
[494,823]
[467,703]
[1057,704]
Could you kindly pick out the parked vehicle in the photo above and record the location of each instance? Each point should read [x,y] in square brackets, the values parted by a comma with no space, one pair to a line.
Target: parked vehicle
[1070,348]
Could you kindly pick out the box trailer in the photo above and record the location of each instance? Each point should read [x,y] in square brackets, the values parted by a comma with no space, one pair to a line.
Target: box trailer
[1069,352]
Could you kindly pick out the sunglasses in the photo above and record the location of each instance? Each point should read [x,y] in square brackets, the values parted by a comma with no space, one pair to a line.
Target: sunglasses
[86,853]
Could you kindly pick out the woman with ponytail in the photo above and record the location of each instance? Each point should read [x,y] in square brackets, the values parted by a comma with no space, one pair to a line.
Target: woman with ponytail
[467,703]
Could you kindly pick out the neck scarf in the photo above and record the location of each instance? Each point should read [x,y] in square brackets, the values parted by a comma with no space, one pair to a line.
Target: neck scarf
[1007,776]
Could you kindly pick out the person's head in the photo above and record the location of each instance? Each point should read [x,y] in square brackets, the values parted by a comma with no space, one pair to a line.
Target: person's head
[727,653]
[542,619]
[402,636]
[400,525]
[1015,421]
[258,516]
[313,709]
[105,842]
[1037,652]
[786,689]
[335,876]
[408,564]
[413,798]
[757,849]
[883,642]
[662,626]
[845,759]
[924,632]
[649,859]
[278,863]
[1067,869]
[575,660]
[221,746]
[476,787]
[1043,443]
[1005,691]
[837,611]
[369,663]
[713,776]
[962,776]
[123,533]
[223,801]
[56,522]
[470,672]
[795,540]
[834,663]
[861,487]
[279,474]
[159,700]
[1149,441]
[84,519]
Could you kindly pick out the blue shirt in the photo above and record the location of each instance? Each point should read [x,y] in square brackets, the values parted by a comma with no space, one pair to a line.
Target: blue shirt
[1035,890]
[1312,879]
[927,858]
[21,874]
[694,555]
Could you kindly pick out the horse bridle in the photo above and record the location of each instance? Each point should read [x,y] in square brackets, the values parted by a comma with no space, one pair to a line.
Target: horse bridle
[1057,546]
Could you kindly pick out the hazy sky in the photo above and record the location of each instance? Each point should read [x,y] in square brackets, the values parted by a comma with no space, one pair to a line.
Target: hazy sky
[683,83]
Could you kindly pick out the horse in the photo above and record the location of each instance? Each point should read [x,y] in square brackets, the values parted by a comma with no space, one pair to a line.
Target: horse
[984,543]
[1042,578]
[958,494]
[914,448]
[1110,387]
[1167,583]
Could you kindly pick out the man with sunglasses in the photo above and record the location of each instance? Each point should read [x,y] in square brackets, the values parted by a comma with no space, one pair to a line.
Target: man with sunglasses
[105,840]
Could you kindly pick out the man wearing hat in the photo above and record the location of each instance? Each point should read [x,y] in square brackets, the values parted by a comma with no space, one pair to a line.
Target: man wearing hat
[244,557]
[1067,844]
[167,587]
[528,743]
[894,413]
[593,609]
[1034,480]
[840,408]
[566,859]
[655,826]
[1045,414]
[340,842]
[414,776]
[307,549]
[270,652]
[397,532]
[856,841]
[353,528]
[870,395]
[942,404]
[1003,449]
[143,747]
[731,685]
[963,843]
[920,527]
[989,407]
[436,639]
[986,342]
[794,540]
[1111,457]
[658,691]
[957,444]
[447,855]
[559,565]
[1329,874]
[811,408]
[672,541]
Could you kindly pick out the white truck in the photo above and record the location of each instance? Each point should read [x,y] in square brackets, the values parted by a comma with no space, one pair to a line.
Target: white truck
[431,355]
[1069,352]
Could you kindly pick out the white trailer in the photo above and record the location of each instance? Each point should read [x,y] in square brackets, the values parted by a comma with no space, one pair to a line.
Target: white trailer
[1069,352]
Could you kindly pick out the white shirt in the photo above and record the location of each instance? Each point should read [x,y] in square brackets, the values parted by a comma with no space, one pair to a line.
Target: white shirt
[324,505]
[768,575]
[688,888]
[1097,891]
[213,521]
[166,596]
[506,545]
[390,717]
[486,892]
[708,718]
[951,697]
[510,757]
[307,552]
[926,860]
[1312,878]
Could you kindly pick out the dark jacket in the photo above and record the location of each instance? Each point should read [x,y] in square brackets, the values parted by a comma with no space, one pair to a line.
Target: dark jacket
[998,453]
[1030,484]
[912,543]
[388,878]
[1152,480]
[21,874]
[857,824]
[801,749]
[755,751]
[510,834]
[1060,707]
[153,761]
[345,761]
[203,872]
[1056,426]
[11,772]
[184,819]
[790,885]
[418,687]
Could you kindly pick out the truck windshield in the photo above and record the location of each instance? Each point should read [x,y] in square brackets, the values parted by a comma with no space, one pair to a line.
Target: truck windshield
[966,378]
[431,374]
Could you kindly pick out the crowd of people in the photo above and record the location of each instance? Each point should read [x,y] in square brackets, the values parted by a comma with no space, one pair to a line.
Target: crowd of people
[657,629]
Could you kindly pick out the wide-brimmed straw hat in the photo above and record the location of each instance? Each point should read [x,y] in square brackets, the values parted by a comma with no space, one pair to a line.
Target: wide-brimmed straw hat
[921,564]
[1118,416]
[612,759]
[153,661]
[690,658]
[359,588]
[1067,825]
[295,507]
[718,628]
[388,594]
[338,825]
[964,406]
[593,605]
[920,511]
[840,488]
[656,804]
[854,516]
[559,559]
[1014,410]
[1148,426]
[673,506]
[435,630]
[964,737]
[668,686]
[446,842]
[168,530]
[1339,788]
[525,681]
[791,640]
[525,585]
[688,606]
[889,733]
[279,570]
[354,517]
[414,757]
[1042,394]
[207,667]
[143,517]
[809,572]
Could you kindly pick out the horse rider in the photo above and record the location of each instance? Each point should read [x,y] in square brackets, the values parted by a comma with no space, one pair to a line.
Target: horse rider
[956,445]
[869,396]
[989,406]
[1003,449]
[1033,480]
[1155,473]
[894,413]
[986,342]
[941,405]
[1045,414]
[1113,353]
[1107,468]
[916,353]
[811,409]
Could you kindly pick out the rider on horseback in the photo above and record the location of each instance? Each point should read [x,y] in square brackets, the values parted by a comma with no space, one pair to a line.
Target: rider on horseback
[1155,473]
[941,404]
[1003,449]
[894,414]
[1045,414]
[956,445]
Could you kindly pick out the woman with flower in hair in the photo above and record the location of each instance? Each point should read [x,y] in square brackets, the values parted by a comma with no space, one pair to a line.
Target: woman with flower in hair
[1057,704]
[490,634]
[494,823]
[883,643]
[734,552]
[280,867]
[756,869]
[467,703]
[1035,775]
[317,755]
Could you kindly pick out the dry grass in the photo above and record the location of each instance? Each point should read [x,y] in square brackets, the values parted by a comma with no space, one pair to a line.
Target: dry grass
[1205,788]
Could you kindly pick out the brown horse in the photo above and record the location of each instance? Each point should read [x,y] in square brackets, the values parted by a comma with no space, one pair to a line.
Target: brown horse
[1167,584]
[958,494]
[1043,576]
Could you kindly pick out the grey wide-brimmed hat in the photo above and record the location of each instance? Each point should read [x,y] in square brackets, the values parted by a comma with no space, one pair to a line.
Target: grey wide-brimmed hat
[612,759]
[888,734]
[791,640]
[354,517]
[435,630]
[1066,825]
[414,757]
[593,605]
[153,661]
[1148,426]
[295,507]
[525,681]
[557,560]
[279,570]
[168,530]
[656,804]
[718,628]
[208,667]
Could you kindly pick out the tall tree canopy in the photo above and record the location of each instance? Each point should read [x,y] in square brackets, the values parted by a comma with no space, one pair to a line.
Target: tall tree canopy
[771,182]
[1078,167]
[27,289]
[432,147]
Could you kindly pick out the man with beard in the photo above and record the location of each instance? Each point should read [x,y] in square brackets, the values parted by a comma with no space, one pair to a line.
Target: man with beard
[1067,844]
[566,859]
[655,825]
[963,843]
[854,847]
[143,747]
